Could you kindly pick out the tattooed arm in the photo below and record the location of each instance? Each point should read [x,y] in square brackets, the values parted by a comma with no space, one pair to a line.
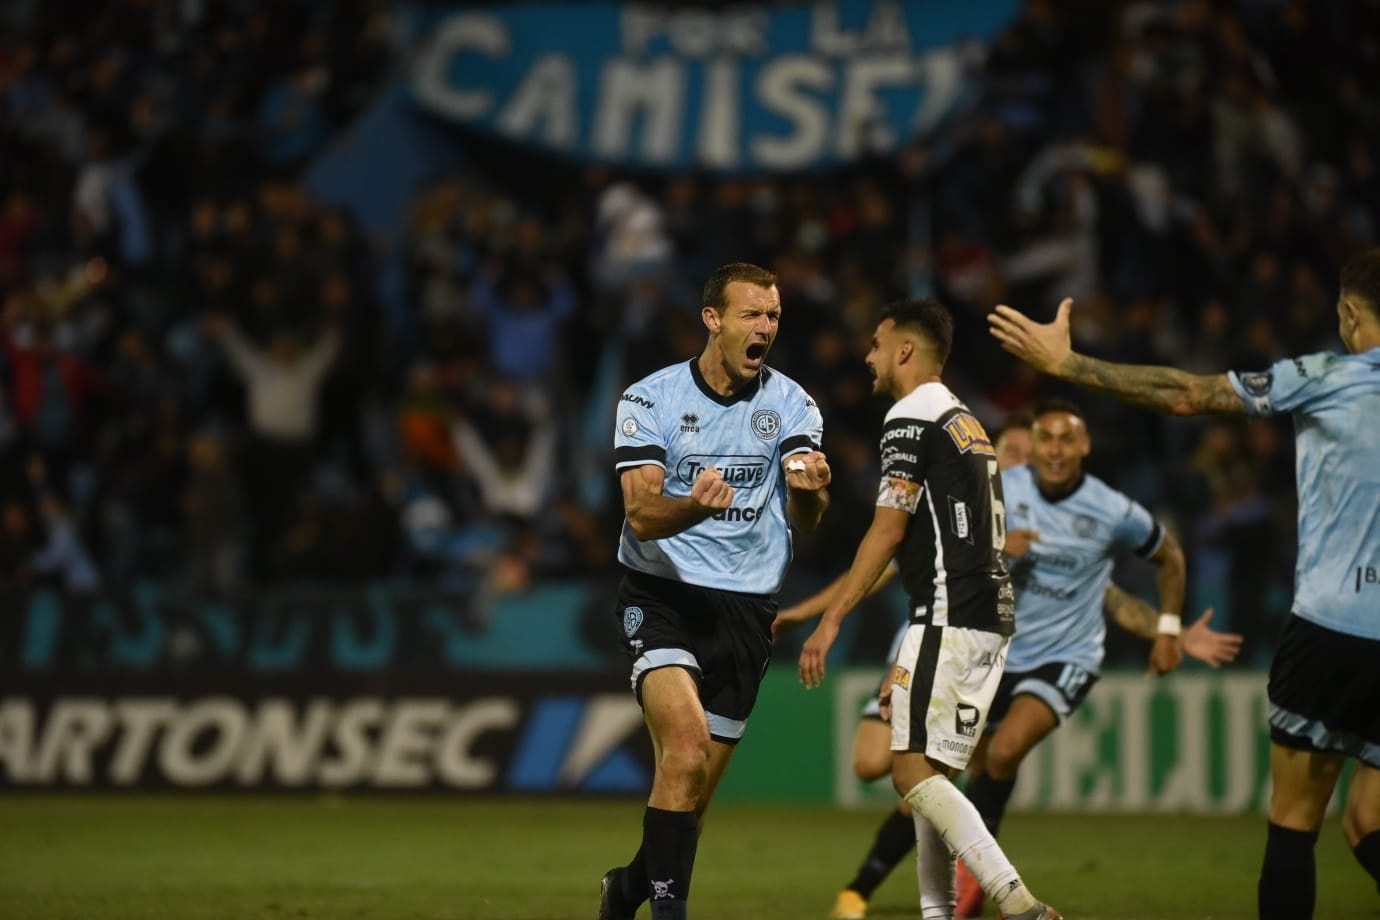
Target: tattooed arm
[1131,613]
[1199,640]
[1162,389]
[1046,347]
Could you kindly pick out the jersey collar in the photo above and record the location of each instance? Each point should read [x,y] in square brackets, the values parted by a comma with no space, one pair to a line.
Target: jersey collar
[1063,496]
[743,395]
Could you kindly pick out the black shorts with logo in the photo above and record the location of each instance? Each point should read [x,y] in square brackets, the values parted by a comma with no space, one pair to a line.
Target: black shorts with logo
[1325,692]
[1060,685]
[723,638]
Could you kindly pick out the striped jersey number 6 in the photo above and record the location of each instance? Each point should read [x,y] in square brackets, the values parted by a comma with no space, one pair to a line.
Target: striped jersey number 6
[998,509]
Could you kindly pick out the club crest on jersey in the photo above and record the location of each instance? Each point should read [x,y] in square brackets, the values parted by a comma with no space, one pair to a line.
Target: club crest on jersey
[632,620]
[969,435]
[766,424]
[1084,526]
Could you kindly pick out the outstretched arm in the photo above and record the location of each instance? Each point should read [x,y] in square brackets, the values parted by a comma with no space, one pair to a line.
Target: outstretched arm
[1047,348]
[817,603]
[1199,639]
[876,550]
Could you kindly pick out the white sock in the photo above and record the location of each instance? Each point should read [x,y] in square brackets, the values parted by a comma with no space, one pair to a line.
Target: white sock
[940,803]
[934,864]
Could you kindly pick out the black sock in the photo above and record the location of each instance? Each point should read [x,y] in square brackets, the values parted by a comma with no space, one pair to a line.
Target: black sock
[1367,852]
[894,840]
[669,839]
[990,796]
[633,885]
[1288,879]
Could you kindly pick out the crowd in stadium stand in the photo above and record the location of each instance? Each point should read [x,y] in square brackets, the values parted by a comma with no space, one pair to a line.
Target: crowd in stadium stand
[198,386]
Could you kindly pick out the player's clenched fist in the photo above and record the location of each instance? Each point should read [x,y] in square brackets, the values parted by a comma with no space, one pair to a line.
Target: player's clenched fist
[808,472]
[710,492]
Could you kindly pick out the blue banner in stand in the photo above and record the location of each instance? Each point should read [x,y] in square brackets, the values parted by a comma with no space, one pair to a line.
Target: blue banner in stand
[740,90]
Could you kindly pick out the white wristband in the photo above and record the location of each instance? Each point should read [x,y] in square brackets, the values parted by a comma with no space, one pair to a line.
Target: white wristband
[1169,624]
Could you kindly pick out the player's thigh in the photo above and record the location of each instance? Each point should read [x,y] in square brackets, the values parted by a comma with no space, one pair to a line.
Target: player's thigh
[1029,705]
[872,749]
[1302,784]
[656,619]
[734,654]
[675,717]
[942,689]
[1027,722]
[1322,692]
[1362,815]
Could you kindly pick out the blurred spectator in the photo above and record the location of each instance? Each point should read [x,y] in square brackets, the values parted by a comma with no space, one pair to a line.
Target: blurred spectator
[509,448]
[1194,173]
[283,384]
[525,308]
[61,559]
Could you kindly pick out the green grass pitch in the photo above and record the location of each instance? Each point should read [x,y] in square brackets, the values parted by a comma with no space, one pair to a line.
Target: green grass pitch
[366,858]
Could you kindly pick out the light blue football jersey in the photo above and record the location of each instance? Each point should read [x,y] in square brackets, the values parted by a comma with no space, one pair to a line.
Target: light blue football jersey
[1335,402]
[1061,582]
[673,419]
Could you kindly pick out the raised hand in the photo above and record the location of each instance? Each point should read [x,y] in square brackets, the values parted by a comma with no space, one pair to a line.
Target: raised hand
[1043,346]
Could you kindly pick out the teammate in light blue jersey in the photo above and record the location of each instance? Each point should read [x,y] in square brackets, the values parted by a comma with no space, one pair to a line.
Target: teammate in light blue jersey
[718,458]
[1325,678]
[1062,579]
[1335,400]
[1065,530]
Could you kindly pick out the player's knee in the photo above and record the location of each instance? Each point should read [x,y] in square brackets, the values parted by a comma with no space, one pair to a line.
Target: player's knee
[1298,812]
[686,761]
[1003,758]
[1358,822]
[871,763]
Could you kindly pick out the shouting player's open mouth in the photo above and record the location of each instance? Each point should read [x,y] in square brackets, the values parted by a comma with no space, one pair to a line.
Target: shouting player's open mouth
[756,352]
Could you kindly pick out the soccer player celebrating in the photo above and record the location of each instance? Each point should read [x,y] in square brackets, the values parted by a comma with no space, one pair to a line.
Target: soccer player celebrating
[1325,677]
[719,458]
[939,513]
